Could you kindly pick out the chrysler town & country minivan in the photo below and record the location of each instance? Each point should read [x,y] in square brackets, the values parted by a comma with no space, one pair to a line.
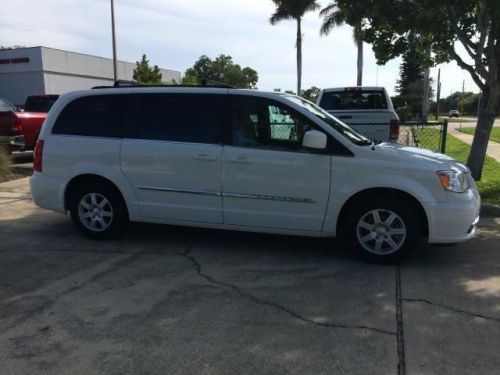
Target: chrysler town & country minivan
[244,160]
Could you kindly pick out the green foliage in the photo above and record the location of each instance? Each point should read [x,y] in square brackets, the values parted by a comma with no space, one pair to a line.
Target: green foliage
[489,186]
[220,70]
[16,46]
[454,102]
[441,25]
[311,93]
[145,74]
[352,14]
[292,9]
[494,136]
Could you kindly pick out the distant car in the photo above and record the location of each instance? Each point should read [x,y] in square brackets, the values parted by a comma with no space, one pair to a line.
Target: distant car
[454,113]
[19,130]
[368,110]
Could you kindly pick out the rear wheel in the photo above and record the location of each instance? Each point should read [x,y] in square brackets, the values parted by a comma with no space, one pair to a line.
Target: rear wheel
[98,211]
[382,229]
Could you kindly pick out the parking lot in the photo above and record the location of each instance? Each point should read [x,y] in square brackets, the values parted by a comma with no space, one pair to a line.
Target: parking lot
[166,300]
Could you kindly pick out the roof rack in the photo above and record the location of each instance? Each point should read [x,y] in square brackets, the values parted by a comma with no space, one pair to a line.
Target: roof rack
[128,84]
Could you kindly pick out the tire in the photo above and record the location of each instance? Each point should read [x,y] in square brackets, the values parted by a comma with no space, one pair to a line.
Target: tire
[382,229]
[98,211]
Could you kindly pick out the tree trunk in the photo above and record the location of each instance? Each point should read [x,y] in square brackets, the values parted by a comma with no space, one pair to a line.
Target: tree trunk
[360,63]
[299,56]
[487,113]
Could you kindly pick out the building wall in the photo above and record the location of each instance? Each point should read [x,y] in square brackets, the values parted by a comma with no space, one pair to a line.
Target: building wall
[52,71]
[20,79]
[77,64]
[56,83]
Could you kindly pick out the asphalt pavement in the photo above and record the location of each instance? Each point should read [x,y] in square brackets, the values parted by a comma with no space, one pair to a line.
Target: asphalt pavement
[173,300]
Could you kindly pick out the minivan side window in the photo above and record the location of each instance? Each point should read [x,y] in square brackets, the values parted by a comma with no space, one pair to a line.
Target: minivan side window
[267,124]
[193,118]
[96,116]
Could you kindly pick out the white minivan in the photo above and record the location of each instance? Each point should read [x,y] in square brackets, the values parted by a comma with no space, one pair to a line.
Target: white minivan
[212,157]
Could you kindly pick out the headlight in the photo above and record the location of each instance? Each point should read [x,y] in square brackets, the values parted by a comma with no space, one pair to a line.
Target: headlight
[453,180]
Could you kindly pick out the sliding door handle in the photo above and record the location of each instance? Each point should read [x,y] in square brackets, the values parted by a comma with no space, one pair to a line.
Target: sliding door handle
[239,159]
[205,157]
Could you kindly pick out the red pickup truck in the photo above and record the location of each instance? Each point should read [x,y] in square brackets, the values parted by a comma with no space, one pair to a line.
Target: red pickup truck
[19,129]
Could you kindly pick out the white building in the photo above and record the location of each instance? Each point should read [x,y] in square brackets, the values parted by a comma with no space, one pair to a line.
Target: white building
[42,70]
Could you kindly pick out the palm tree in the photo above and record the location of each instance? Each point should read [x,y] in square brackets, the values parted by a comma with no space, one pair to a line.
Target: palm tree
[333,16]
[294,10]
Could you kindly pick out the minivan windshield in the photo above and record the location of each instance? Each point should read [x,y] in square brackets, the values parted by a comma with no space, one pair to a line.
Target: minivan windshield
[327,118]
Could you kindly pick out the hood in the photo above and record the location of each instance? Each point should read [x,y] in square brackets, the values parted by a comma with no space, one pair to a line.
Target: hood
[421,156]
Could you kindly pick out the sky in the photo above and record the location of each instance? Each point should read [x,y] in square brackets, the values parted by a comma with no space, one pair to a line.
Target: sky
[175,33]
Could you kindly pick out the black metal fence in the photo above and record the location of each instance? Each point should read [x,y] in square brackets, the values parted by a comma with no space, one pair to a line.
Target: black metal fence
[429,135]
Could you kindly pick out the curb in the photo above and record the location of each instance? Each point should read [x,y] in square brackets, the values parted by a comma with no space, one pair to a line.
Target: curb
[490,209]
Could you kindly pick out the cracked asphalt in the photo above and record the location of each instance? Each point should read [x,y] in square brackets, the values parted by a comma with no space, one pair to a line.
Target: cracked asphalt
[173,300]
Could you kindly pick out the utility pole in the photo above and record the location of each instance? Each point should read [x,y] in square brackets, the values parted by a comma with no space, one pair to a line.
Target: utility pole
[438,95]
[115,65]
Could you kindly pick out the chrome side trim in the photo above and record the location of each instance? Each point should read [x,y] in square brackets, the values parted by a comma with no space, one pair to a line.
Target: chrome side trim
[229,195]
[269,197]
[183,191]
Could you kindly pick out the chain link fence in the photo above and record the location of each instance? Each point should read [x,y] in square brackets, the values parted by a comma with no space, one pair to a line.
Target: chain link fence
[429,135]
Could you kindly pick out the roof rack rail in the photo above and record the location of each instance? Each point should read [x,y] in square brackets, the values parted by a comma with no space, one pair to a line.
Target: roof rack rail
[128,84]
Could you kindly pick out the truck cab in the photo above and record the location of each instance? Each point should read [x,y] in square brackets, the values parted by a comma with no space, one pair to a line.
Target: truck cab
[368,110]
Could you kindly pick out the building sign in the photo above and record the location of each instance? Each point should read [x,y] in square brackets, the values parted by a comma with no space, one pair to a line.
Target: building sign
[18,60]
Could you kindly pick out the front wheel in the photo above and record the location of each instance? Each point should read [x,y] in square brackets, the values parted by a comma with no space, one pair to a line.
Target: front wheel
[383,230]
[98,211]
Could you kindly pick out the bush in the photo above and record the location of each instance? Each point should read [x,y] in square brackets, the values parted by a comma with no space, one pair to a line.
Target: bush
[4,161]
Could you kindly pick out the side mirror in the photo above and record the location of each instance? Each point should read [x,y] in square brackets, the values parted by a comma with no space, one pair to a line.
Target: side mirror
[314,139]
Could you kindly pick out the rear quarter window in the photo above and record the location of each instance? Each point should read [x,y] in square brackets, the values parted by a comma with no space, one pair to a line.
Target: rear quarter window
[97,116]
[353,100]
[192,118]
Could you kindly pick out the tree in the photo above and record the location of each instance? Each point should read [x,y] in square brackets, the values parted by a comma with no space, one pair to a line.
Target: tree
[411,85]
[454,101]
[444,24]
[334,16]
[16,46]
[311,94]
[294,10]
[220,70]
[145,74]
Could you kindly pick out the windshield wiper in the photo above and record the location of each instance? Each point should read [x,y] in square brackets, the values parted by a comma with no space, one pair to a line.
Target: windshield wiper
[365,142]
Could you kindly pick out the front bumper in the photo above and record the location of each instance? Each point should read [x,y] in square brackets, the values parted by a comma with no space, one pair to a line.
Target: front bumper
[456,220]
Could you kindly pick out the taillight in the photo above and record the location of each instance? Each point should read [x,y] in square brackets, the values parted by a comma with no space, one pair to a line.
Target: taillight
[17,125]
[394,130]
[37,156]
